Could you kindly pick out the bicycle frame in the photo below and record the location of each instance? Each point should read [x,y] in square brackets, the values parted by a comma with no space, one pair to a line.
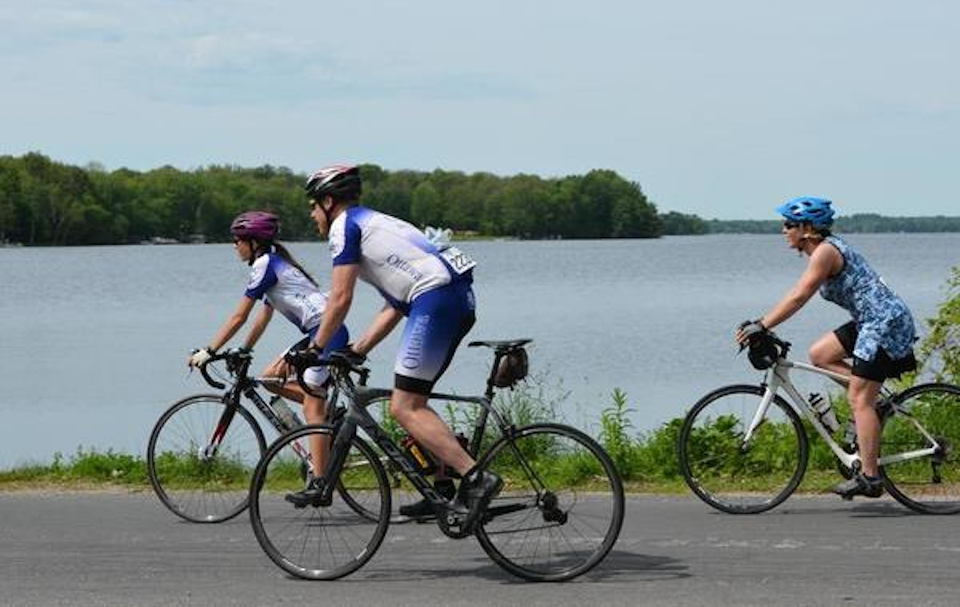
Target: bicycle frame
[777,378]
[247,386]
[360,397]
[357,416]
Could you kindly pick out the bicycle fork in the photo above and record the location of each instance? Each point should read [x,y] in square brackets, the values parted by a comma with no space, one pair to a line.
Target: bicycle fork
[209,451]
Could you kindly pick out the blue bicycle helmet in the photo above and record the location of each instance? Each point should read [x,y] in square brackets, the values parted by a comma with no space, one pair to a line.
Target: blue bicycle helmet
[815,211]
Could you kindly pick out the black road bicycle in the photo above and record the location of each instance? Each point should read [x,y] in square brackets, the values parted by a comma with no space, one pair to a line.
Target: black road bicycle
[557,516]
[204,448]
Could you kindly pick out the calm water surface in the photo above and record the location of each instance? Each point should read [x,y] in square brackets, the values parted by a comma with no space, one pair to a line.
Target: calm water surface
[93,340]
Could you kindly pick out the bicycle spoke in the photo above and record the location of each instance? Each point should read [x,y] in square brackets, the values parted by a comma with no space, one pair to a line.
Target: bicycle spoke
[736,477]
[194,484]
[568,527]
[921,473]
[319,542]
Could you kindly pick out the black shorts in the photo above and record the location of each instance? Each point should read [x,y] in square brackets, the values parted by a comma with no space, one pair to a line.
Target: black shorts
[882,366]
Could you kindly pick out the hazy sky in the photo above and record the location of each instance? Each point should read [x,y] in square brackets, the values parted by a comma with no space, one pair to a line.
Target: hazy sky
[722,109]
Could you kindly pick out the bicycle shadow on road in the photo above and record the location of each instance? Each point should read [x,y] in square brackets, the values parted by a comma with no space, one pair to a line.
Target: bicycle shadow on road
[883,510]
[619,566]
[860,510]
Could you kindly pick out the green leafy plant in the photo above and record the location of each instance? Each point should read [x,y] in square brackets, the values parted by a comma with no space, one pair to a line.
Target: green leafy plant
[940,350]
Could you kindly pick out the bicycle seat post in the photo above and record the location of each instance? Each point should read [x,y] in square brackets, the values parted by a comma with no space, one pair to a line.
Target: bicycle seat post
[497,356]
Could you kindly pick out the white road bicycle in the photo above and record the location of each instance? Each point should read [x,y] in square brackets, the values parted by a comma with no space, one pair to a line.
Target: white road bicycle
[743,448]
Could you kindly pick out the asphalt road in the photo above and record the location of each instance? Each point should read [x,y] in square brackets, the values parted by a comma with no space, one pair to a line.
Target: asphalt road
[102,548]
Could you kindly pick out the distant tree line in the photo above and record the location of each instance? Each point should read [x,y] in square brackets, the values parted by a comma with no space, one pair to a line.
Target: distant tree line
[858,222]
[43,202]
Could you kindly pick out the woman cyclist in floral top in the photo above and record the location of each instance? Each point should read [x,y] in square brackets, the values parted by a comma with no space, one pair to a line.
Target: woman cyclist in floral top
[879,339]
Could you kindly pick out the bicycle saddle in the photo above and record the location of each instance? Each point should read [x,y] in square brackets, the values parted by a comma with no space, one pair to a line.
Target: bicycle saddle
[500,344]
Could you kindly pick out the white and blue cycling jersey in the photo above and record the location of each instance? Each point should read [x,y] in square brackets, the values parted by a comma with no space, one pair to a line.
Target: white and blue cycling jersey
[286,290]
[394,256]
[427,282]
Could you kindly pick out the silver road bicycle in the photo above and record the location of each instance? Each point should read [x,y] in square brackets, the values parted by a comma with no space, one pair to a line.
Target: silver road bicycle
[743,449]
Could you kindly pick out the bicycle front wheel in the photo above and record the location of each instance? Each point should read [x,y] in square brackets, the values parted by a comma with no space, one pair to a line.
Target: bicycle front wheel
[919,449]
[199,462]
[323,542]
[734,475]
[561,506]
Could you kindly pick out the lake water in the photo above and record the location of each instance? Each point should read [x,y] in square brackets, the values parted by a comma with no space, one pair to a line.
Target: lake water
[93,340]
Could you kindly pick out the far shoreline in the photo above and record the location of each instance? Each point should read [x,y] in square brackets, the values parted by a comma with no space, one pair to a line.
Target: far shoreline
[476,238]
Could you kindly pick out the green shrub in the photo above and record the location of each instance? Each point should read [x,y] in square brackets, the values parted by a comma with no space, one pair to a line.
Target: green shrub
[940,350]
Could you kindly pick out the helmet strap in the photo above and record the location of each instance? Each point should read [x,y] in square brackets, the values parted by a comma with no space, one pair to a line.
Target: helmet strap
[328,212]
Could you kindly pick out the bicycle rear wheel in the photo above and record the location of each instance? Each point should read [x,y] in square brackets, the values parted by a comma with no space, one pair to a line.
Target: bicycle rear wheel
[196,481]
[325,542]
[732,476]
[561,507]
[925,418]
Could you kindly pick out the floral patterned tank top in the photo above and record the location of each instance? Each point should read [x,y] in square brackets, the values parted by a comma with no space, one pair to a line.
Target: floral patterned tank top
[883,319]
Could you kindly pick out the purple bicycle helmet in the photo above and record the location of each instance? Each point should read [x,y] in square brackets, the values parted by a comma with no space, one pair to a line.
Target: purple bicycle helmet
[255,225]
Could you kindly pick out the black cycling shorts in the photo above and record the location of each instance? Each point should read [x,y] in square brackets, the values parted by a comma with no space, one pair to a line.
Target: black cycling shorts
[882,366]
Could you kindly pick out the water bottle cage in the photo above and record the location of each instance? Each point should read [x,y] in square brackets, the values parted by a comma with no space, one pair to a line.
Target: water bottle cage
[420,456]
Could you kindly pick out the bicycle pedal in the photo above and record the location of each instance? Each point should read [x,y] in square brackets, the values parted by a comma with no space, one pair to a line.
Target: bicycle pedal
[296,504]
[302,502]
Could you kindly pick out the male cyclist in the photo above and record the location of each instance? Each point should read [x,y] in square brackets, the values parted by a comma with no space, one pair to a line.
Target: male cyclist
[431,286]
[879,339]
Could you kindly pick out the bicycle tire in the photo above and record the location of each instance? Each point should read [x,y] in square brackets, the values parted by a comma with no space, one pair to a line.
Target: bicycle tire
[715,465]
[195,485]
[930,484]
[326,542]
[568,526]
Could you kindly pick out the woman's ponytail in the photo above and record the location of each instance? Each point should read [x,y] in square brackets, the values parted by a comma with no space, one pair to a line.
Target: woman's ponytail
[285,254]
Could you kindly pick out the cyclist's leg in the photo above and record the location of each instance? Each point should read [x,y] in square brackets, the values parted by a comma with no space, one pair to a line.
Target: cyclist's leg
[411,411]
[862,395]
[478,486]
[832,349]
[278,368]
[865,383]
[315,407]
[437,322]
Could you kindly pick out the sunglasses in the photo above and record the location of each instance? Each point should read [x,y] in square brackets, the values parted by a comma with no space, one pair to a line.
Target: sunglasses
[789,225]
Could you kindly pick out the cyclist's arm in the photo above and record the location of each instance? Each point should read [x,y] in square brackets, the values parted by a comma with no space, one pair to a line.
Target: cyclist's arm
[381,326]
[343,281]
[233,323]
[825,261]
[259,326]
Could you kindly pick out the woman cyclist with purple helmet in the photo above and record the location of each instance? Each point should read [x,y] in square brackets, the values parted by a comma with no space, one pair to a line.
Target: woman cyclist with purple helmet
[284,286]
[878,340]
